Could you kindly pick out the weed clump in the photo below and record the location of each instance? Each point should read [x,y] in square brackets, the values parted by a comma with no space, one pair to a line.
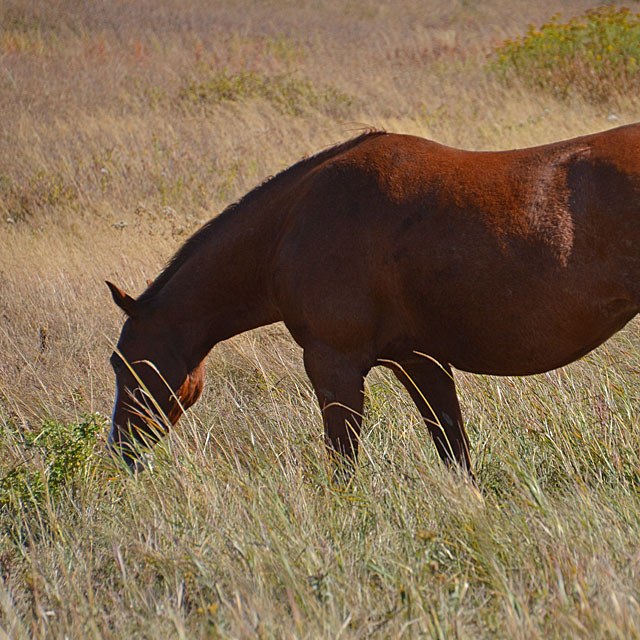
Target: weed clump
[289,94]
[594,56]
[41,191]
[49,460]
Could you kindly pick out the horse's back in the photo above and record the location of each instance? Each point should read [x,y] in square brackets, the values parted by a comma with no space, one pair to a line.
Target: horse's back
[404,243]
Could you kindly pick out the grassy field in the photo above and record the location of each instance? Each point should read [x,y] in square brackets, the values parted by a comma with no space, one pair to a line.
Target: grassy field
[123,127]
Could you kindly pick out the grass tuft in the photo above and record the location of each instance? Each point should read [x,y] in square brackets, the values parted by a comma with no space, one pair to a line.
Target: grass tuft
[289,94]
[125,126]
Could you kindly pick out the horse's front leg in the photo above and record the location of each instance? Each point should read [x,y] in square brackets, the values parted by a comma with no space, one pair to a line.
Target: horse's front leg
[339,385]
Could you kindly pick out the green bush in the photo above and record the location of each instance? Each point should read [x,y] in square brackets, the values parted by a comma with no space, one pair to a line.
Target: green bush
[289,94]
[48,460]
[594,56]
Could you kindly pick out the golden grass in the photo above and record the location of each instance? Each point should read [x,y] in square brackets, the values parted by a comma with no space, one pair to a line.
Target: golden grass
[108,164]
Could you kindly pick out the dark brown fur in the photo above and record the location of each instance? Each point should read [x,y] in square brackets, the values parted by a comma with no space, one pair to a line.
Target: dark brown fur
[391,246]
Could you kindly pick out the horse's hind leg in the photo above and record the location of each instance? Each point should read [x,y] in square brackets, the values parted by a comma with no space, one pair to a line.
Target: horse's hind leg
[433,390]
[339,385]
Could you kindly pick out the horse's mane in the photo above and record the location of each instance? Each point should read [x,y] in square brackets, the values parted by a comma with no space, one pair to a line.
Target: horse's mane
[201,236]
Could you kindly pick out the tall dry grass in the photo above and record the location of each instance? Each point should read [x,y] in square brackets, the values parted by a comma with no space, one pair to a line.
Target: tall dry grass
[126,125]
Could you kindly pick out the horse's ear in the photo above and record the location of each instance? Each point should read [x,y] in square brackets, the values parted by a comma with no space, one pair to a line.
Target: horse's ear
[122,299]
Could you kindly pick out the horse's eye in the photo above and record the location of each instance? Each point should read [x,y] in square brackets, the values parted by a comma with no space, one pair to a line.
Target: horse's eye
[116,362]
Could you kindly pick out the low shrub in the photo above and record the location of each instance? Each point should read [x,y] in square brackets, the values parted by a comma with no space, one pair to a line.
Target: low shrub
[594,56]
[46,460]
[289,94]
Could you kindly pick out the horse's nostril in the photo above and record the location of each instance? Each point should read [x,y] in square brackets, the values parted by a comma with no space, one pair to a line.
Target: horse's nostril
[135,460]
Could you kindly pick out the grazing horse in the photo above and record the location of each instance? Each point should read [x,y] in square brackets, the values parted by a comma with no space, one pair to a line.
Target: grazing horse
[397,251]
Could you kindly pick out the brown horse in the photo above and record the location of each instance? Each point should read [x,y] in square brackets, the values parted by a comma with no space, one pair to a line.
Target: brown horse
[384,249]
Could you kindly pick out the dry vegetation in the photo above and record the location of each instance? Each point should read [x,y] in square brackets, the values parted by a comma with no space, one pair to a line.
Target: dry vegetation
[124,125]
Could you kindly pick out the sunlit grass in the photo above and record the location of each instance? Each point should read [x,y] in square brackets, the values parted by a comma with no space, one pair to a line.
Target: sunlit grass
[240,528]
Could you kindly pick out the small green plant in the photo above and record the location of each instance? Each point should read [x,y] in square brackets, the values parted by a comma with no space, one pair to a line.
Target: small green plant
[289,94]
[284,49]
[145,93]
[594,56]
[43,191]
[48,460]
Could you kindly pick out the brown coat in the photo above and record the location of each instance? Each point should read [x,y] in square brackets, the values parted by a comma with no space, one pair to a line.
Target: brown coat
[395,250]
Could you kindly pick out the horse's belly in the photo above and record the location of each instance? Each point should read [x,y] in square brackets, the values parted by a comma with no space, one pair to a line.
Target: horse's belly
[534,343]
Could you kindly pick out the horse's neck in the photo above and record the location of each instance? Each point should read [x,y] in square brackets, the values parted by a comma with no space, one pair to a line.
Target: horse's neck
[222,289]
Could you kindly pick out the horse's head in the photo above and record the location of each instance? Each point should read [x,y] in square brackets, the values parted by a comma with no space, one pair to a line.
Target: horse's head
[155,382]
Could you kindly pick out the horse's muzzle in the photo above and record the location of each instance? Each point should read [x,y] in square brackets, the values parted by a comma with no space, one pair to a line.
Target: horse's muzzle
[124,451]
